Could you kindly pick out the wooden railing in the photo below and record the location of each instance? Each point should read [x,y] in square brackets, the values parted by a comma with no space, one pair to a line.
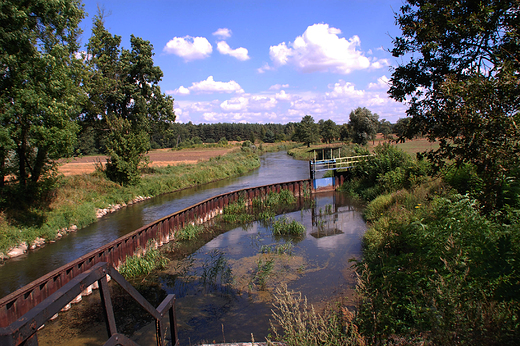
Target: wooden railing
[18,303]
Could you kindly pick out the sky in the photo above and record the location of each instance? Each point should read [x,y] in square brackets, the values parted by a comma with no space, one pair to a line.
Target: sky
[263,61]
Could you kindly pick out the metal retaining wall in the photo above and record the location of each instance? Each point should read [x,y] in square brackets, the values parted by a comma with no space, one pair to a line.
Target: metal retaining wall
[16,304]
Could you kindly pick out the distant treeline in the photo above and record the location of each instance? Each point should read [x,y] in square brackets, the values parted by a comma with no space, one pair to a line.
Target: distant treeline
[181,135]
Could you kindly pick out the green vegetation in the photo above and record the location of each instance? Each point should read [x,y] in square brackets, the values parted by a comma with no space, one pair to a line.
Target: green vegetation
[189,232]
[282,226]
[76,198]
[139,265]
[297,323]
[125,104]
[435,268]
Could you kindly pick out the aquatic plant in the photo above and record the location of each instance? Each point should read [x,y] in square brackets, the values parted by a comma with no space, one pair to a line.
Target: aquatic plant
[136,265]
[283,226]
[189,232]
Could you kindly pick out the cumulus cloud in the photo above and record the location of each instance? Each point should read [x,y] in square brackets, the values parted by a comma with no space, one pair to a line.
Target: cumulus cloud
[278,86]
[265,67]
[239,53]
[382,83]
[320,49]
[209,86]
[222,33]
[282,96]
[189,48]
[235,104]
[343,89]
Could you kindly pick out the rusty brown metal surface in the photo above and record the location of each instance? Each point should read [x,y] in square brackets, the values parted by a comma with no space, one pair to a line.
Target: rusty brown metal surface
[16,304]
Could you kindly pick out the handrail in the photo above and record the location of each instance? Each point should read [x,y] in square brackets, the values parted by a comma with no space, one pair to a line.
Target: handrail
[163,230]
[24,330]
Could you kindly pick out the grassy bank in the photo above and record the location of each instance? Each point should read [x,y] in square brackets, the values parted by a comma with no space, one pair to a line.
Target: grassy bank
[76,198]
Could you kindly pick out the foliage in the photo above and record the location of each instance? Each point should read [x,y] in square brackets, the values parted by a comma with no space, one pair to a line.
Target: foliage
[189,232]
[306,131]
[296,323]
[462,85]
[39,83]
[363,125]
[282,226]
[440,272]
[139,265]
[389,169]
[328,130]
[125,100]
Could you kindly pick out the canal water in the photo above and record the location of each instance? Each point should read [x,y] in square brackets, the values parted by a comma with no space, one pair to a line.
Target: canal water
[225,284]
[17,272]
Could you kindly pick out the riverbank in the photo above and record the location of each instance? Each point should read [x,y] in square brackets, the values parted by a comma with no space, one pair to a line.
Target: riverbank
[80,200]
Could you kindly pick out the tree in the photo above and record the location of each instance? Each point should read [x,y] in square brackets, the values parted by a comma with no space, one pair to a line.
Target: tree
[306,131]
[39,87]
[329,131]
[363,125]
[125,100]
[461,85]
[344,132]
[385,128]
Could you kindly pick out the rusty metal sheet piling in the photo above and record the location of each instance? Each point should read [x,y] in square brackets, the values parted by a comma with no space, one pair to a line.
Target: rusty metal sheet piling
[20,302]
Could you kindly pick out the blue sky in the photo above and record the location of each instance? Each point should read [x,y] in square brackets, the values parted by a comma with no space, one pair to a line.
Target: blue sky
[264,61]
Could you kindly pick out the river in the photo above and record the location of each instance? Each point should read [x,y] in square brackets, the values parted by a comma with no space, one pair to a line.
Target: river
[19,271]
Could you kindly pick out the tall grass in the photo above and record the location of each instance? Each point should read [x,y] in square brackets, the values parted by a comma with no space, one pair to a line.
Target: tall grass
[136,265]
[296,323]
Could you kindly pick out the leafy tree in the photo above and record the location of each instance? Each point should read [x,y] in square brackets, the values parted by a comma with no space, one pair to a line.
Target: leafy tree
[462,85]
[401,126]
[344,132]
[363,125]
[125,100]
[385,128]
[39,87]
[306,131]
[329,131]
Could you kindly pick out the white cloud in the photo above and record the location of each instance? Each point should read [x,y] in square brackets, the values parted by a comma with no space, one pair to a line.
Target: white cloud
[377,64]
[209,86]
[261,103]
[343,89]
[189,48]
[320,49]
[235,104]
[265,67]
[278,86]
[222,33]
[282,96]
[382,83]
[239,53]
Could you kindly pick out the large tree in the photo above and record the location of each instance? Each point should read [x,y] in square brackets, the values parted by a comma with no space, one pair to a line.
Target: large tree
[125,100]
[363,124]
[306,131]
[461,83]
[328,130]
[39,87]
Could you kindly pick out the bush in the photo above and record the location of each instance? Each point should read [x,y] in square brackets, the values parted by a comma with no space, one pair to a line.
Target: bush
[440,271]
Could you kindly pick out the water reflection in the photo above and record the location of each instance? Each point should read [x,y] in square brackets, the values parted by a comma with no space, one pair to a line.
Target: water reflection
[224,287]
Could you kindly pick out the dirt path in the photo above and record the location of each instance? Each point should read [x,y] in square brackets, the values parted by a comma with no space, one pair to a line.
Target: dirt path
[158,158]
